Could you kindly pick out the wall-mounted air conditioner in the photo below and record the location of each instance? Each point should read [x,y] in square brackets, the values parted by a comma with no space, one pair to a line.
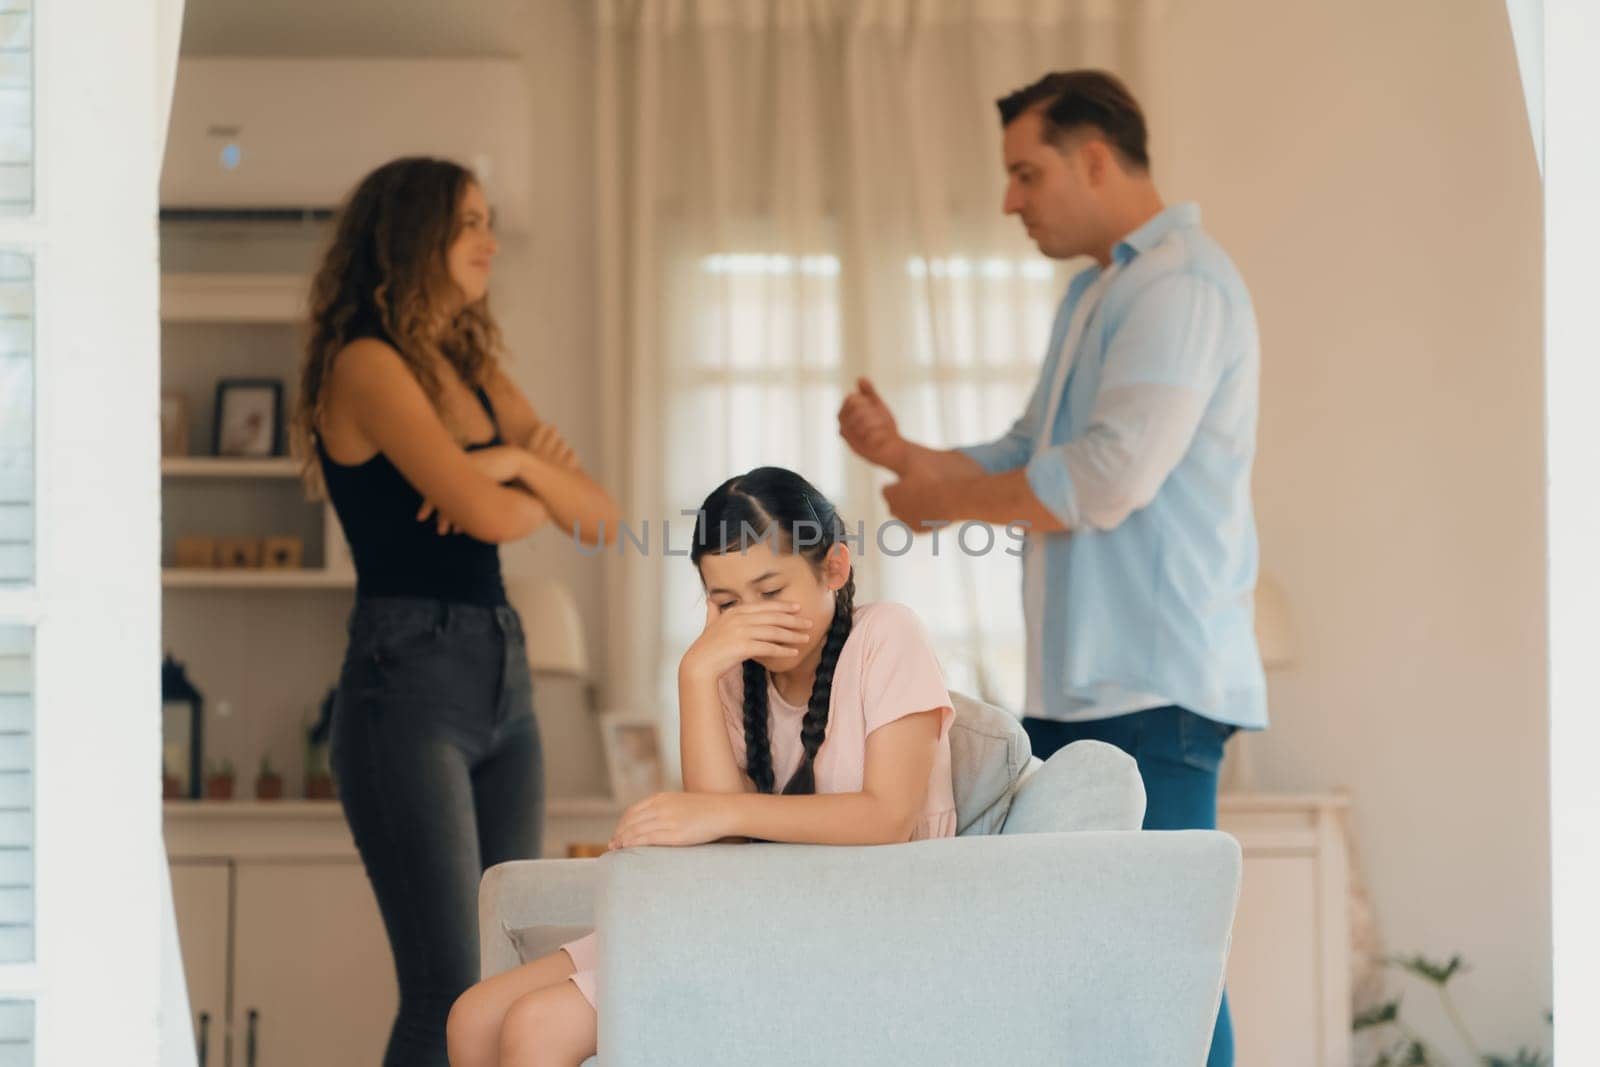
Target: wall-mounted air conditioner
[294,135]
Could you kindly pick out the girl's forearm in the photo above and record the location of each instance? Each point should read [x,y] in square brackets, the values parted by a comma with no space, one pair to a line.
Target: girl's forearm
[703,747]
[574,501]
[821,819]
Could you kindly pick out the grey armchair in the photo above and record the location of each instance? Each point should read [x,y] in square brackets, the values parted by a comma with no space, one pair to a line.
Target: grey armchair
[1050,930]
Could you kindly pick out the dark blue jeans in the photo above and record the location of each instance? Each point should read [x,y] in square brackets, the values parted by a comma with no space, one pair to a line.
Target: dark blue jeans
[1178,753]
[440,773]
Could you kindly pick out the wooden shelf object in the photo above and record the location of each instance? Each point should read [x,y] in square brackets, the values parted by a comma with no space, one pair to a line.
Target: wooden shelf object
[242,578]
[229,467]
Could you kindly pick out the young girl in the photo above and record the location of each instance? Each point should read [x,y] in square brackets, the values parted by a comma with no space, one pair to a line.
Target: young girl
[432,458]
[804,719]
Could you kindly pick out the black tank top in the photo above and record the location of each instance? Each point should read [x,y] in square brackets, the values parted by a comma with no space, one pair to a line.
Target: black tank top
[395,555]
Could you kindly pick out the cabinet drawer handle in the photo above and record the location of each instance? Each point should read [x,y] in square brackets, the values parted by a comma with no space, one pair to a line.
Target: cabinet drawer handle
[203,1042]
[250,1040]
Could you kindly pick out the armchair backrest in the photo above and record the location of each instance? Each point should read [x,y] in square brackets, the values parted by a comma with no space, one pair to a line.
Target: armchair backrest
[989,755]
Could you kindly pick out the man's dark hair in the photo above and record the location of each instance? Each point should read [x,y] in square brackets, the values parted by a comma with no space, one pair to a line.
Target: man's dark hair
[1070,100]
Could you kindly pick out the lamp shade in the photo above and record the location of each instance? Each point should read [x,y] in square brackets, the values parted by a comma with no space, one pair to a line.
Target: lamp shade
[1274,634]
[553,626]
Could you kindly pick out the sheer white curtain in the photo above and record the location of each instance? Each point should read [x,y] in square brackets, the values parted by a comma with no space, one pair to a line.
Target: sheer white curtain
[794,195]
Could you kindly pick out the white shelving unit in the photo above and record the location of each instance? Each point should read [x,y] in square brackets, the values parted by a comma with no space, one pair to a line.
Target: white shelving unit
[262,644]
[338,573]
[246,300]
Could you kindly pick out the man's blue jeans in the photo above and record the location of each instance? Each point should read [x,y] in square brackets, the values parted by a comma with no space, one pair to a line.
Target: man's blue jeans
[1178,753]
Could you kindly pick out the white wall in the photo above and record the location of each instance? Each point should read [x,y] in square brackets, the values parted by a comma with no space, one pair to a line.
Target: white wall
[544,298]
[544,290]
[1571,84]
[1369,166]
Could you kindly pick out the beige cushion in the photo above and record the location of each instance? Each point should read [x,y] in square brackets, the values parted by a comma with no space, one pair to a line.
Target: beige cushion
[988,753]
[1087,785]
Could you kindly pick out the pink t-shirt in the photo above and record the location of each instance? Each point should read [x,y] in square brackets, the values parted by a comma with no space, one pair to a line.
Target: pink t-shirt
[886,671]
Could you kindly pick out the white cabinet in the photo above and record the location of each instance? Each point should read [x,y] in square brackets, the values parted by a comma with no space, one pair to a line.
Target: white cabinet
[281,938]
[1289,967]
[313,980]
[283,946]
[286,962]
[200,894]
[310,959]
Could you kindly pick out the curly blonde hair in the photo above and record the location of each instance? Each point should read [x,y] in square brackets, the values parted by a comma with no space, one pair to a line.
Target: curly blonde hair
[386,268]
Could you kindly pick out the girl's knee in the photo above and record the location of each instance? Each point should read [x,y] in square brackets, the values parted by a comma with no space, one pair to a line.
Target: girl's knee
[552,1025]
[472,1030]
[526,1022]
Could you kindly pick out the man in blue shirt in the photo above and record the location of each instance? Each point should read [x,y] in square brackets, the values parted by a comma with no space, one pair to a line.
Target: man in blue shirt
[1130,466]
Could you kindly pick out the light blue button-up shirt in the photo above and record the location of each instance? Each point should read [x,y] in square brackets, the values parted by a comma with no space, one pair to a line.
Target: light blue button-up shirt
[1149,595]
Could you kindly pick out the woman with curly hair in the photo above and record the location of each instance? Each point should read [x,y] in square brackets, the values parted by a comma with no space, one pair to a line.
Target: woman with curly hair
[805,719]
[432,458]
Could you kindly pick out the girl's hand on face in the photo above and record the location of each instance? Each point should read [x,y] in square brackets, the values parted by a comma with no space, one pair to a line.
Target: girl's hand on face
[674,819]
[769,629]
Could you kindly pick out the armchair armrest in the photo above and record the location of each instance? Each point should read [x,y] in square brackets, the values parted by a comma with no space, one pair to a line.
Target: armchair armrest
[534,905]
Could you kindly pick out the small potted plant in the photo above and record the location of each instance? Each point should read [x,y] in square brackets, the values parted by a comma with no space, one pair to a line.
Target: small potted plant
[319,785]
[269,783]
[318,777]
[219,781]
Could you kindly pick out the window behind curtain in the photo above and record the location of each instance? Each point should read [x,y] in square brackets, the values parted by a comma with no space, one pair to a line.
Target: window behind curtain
[980,325]
[757,375]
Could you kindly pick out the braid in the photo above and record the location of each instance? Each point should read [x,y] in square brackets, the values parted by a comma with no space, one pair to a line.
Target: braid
[757,746]
[814,727]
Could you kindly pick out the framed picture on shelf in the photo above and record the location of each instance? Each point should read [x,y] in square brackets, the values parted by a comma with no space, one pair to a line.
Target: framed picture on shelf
[249,417]
[633,755]
[174,425]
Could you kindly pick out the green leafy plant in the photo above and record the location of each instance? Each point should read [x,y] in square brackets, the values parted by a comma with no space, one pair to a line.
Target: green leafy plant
[318,780]
[317,731]
[224,769]
[266,768]
[1407,1048]
[316,757]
